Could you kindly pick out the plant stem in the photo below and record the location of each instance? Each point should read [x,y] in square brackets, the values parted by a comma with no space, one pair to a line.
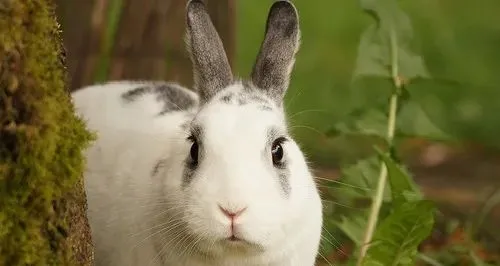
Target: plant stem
[391,128]
[429,260]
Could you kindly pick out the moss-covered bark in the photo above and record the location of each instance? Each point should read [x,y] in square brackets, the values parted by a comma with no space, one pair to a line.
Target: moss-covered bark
[42,201]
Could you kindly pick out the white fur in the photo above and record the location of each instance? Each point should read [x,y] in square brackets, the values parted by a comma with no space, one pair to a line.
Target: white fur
[140,218]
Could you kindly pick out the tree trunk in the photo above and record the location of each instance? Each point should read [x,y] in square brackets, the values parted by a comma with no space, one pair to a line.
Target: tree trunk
[83,31]
[140,40]
[42,200]
[150,39]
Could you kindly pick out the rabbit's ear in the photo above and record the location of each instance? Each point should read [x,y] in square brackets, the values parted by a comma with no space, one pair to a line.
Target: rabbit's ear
[276,58]
[211,68]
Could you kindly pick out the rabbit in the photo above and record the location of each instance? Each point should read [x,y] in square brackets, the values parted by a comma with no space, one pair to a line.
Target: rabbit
[209,176]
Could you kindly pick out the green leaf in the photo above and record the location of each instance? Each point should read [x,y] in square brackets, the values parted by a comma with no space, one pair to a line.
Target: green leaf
[353,225]
[358,181]
[393,31]
[397,237]
[413,121]
[401,183]
[371,122]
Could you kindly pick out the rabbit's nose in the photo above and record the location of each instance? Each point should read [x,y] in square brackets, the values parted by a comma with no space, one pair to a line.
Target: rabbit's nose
[231,213]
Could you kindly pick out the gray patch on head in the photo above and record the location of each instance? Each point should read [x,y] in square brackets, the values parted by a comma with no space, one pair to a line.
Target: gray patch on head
[242,100]
[265,108]
[184,126]
[282,170]
[272,134]
[283,176]
[189,170]
[258,99]
[227,98]
[187,176]
[158,166]
[173,96]
[248,95]
[133,94]
[248,87]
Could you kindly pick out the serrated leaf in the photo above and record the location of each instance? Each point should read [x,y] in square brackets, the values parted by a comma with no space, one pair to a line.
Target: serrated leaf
[392,32]
[413,121]
[368,122]
[403,188]
[353,225]
[358,181]
[398,236]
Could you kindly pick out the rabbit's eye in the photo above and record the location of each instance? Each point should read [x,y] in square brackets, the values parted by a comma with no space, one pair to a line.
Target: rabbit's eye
[277,151]
[194,151]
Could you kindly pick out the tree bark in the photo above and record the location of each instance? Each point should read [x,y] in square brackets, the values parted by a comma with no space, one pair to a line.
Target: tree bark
[140,40]
[42,199]
[150,39]
[83,26]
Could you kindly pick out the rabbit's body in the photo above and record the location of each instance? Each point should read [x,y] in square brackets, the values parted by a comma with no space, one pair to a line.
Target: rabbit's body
[180,179]
[133,134]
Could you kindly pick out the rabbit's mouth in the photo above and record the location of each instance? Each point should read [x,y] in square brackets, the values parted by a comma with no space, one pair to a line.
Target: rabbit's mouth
[240,244]
[237,240]
[234,238]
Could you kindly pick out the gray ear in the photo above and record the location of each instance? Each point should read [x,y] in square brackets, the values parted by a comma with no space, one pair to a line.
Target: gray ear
[276,58]
[211,68]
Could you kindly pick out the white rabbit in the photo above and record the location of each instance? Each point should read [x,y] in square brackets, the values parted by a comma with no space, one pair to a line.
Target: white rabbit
[214,178]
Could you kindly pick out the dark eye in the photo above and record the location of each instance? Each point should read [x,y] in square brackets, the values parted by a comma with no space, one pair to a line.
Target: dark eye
[194,151]
[277,151]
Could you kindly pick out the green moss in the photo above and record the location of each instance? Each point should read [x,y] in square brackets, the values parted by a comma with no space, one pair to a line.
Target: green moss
[41,139]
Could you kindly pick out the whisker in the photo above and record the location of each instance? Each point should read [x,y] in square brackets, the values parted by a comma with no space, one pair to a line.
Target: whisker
[162,231]
[166,245]
[343,205]
[325,259]
[306,111]
[310,128]
[153,227]
[336,241]
[287,105]
[344,184]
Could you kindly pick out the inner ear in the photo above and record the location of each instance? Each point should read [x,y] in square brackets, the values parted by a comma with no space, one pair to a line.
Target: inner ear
[276,57]
[211,69]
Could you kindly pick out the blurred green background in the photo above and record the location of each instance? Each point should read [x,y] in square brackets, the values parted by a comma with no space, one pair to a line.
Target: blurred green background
[459,41]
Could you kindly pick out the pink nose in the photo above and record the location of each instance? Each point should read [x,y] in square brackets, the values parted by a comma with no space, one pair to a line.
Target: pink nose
[231,214]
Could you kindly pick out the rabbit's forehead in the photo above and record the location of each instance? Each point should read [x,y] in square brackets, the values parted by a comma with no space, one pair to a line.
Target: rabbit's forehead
[221,122]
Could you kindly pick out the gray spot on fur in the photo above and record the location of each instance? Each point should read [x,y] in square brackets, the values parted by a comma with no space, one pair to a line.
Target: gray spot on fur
[189,170]
[187,176]
[283,177]
[160,164]
[185,125]
[249,95]
[258,99]
[242,100]
[272,134]
[227,98]
[173,96]
[282,170]
[265,108]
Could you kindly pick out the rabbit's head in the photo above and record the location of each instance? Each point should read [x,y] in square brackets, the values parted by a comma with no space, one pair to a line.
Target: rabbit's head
[245,184]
